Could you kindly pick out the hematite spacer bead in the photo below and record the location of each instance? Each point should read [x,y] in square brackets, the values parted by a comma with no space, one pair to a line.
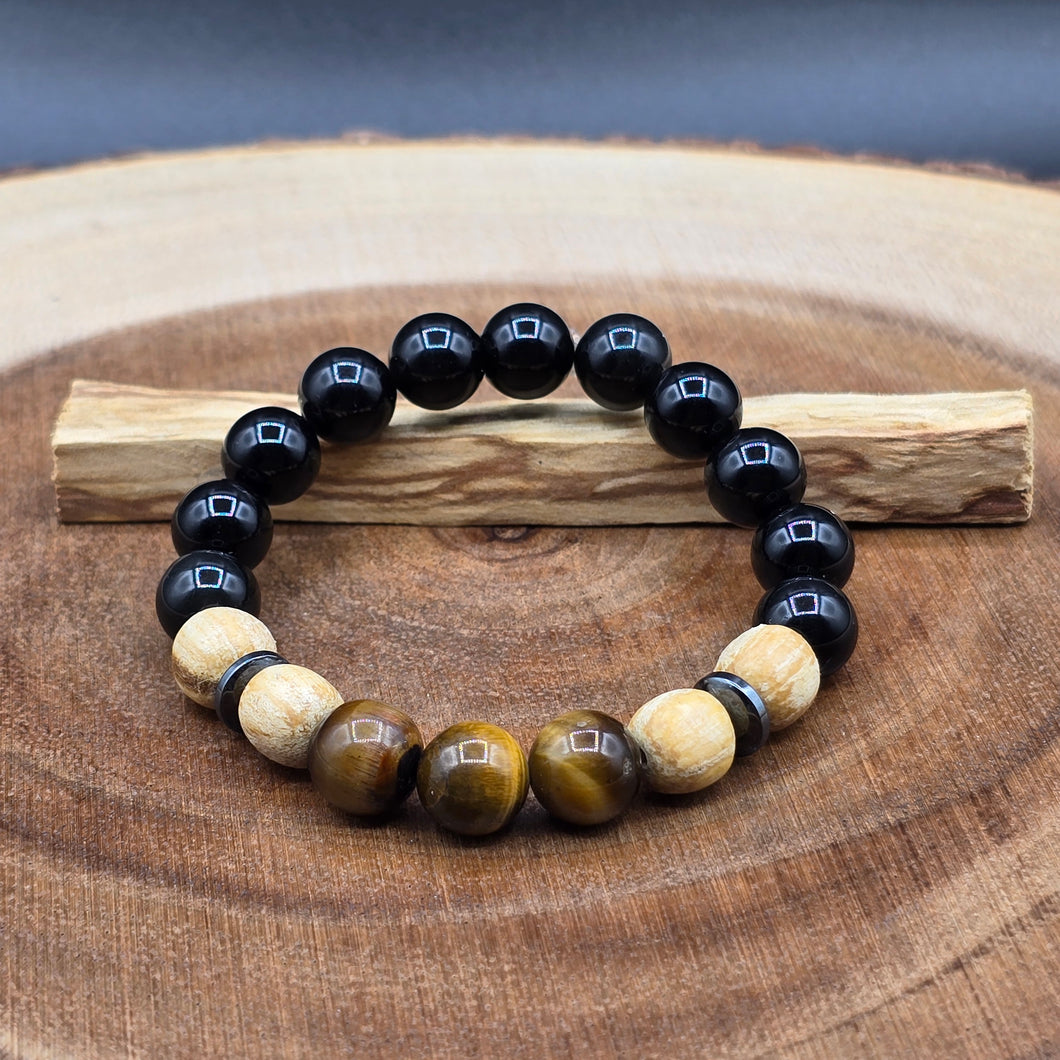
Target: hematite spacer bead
[585,767]
[754,475]
[273,452]
[747,711]
[620,360]
[804,539]
[347,395]
[818,610]
[224,517]
[527,350]
[235,679]
[436,361]
[695,409]
[200,580]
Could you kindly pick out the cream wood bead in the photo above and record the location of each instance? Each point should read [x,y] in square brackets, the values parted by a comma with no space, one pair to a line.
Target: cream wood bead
[687,739]
[780,666]
[281,708]
[209,642]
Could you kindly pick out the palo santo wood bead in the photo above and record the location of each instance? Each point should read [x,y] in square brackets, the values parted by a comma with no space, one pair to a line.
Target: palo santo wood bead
[687,738]
[207,645]
[281,708]
[780,666]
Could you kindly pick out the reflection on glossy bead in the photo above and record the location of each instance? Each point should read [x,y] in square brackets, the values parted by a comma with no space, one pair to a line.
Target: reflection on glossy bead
[281,708]
[585,767]
[436,361]
[687,738]
[693,411]
[804,539]
[223,516]
[364,756]
[620,360]
[820,611]
[472,778]
[754,475]
[779,665]
[273,452]
[347,395]
[527,350]
[200,580]
[208,643]
[235,679]
[747,711]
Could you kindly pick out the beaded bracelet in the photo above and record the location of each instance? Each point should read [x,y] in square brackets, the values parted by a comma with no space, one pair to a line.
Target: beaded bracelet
[585,767]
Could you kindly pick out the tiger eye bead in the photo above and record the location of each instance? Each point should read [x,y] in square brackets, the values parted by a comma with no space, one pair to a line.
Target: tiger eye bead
[364,756]
[780,665]
[281,708]
[687,738]
[585,767]
[208,643]
[472,778]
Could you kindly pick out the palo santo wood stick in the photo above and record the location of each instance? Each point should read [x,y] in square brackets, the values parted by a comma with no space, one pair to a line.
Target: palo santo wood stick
[127,453]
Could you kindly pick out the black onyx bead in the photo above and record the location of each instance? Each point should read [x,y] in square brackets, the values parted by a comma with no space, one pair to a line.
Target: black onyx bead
[802,540]
[224,517]
[695,409]
[235,679]
[754,475]
[436,361]
[527,350]
[273,452]
[200,580]
[819,611]
[620,360]
[347,395]
[745,707]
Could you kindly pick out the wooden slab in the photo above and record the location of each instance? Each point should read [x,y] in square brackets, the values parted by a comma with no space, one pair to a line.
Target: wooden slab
[881,880]
[130,453]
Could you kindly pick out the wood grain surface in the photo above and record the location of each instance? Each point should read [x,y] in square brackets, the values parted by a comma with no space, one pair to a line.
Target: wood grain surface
[130,453]
[881,880]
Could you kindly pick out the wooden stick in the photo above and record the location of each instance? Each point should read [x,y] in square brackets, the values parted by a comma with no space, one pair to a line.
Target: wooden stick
[127,453]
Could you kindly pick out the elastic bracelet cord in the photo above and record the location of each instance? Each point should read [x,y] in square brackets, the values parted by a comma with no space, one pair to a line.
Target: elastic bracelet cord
[585,767]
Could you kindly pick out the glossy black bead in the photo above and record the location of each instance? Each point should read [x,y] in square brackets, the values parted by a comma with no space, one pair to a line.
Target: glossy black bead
[223,517]
[695,409]
[235,679]
[347,395]
[754,475]
[200,580]
[620,360]
[817,609]
[745,707]
[804,539]
[273,452]
[527,350]
[436,361]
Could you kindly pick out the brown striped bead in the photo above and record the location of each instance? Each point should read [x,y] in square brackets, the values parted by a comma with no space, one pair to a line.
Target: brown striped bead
[364,756]
[472,778]
[584,767]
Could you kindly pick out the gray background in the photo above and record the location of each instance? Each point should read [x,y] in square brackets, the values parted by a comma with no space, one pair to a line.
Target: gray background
[958,81]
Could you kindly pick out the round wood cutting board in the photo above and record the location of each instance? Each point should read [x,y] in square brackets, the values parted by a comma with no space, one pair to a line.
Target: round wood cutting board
[881,880]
